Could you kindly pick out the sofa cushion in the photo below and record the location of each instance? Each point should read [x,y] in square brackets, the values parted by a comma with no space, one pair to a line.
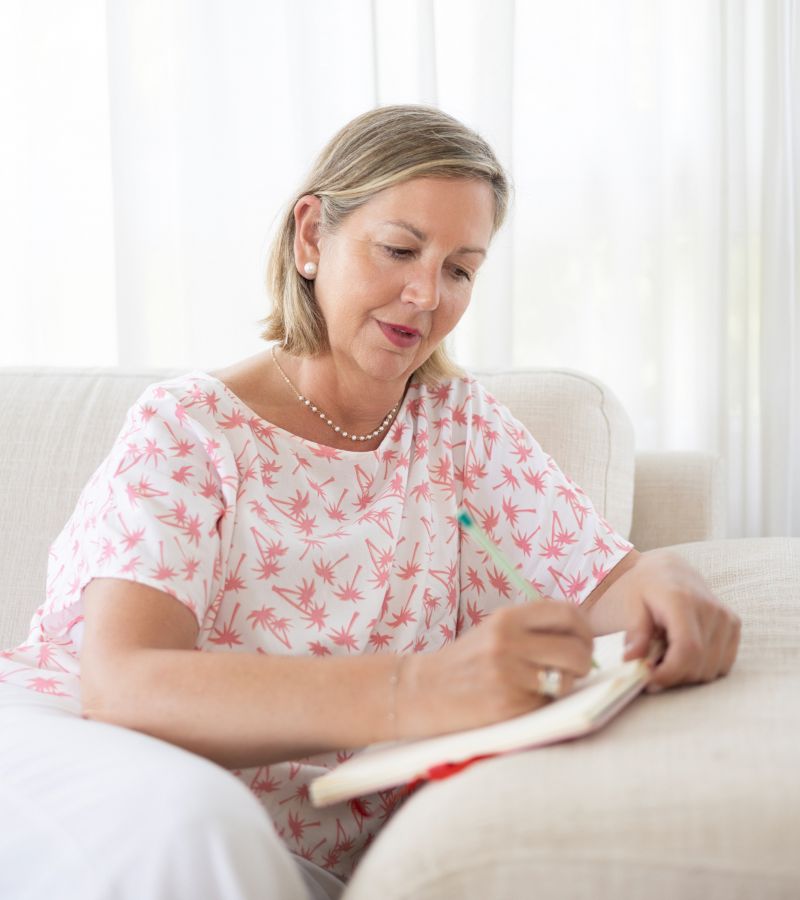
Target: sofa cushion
[693,793]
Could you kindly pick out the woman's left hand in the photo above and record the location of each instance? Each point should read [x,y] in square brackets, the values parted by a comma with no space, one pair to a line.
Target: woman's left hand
[666,596]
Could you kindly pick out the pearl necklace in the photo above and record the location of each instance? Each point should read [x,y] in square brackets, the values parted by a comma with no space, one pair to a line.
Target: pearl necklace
[338,429]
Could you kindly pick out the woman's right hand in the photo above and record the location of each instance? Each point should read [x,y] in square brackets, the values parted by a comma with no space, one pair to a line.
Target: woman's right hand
[490,673]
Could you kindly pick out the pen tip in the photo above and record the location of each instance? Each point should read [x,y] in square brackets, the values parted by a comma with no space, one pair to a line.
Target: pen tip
[464,517]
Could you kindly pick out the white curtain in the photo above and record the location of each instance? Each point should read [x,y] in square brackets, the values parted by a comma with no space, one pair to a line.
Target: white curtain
[148,146]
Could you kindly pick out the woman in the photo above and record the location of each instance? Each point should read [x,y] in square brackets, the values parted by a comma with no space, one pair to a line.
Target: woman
[294,515]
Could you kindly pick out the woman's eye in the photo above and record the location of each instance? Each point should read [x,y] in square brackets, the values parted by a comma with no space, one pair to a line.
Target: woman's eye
[407,253]
[398,252]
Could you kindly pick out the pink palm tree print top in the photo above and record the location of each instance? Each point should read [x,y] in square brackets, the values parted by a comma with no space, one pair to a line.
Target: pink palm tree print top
[281,545]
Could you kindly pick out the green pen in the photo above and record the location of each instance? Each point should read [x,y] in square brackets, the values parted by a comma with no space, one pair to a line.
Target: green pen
[498,558]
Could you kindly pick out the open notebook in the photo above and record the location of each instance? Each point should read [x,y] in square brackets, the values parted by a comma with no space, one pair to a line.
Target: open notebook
[593,701]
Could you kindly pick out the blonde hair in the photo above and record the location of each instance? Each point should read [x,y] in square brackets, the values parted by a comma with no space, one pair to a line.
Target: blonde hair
[378,149]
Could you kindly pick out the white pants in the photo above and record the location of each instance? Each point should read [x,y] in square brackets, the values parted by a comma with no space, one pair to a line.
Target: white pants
[90,811]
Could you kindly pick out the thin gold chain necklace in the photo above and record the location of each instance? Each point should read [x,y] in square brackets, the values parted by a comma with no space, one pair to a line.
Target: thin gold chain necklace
[329,422]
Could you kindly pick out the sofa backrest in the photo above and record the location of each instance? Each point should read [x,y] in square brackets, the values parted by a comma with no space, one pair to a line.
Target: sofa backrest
[58,424]
[582,425]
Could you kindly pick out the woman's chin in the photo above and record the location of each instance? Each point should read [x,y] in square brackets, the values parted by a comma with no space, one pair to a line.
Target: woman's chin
[389,366]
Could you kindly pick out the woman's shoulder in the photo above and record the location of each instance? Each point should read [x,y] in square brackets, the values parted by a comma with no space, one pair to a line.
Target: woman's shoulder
[244,377]
[237,379]
[177,396]
[193,407]
[460,394]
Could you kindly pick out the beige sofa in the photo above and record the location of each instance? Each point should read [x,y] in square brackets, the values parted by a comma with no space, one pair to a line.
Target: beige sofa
[694,793]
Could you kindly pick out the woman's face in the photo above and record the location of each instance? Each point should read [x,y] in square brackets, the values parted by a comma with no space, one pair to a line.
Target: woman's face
[397,275]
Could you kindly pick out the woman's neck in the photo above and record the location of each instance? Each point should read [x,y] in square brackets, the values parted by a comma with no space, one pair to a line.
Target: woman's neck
[349,401]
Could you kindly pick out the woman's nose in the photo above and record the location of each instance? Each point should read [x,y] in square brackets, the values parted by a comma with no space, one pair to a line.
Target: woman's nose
[423,289]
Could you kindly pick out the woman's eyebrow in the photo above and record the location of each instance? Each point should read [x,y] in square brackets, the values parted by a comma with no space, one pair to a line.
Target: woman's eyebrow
[421,236]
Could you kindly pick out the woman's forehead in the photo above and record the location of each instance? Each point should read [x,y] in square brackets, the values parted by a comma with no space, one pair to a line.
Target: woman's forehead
[463,205]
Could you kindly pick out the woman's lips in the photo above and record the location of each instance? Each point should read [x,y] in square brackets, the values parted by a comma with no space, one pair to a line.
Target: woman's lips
[400,335]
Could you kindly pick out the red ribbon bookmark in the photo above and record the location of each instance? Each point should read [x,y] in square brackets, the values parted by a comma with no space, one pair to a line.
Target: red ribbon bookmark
[445,770]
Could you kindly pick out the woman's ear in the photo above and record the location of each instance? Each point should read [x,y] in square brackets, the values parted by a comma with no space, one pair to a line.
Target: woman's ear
[307,215]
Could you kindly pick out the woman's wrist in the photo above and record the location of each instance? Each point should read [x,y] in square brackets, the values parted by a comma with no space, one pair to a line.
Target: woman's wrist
[394,684]
[404,710]
[612,605]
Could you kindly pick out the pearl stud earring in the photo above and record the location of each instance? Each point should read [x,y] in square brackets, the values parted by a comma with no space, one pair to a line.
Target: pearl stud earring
[310,268]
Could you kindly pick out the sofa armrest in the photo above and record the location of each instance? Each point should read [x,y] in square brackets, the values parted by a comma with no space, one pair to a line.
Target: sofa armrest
[679,497]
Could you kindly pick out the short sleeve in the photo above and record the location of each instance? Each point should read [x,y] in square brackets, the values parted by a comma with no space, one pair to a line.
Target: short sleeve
[158,511]
[545,525]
